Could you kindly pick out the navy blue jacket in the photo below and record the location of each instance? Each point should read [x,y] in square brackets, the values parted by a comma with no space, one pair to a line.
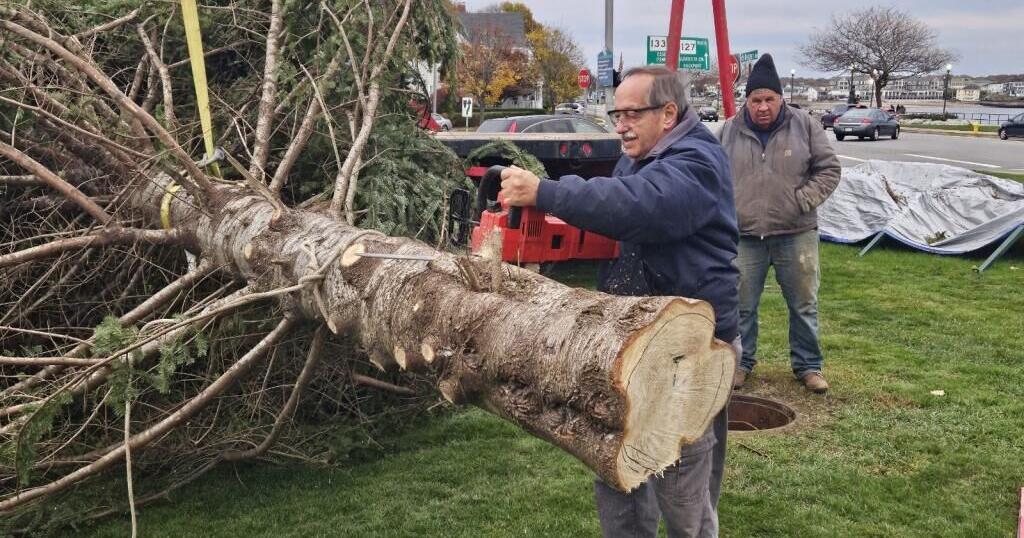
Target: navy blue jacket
[673,212]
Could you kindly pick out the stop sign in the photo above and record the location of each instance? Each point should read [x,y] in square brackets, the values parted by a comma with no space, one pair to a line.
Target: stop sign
[584,79]
[734,67]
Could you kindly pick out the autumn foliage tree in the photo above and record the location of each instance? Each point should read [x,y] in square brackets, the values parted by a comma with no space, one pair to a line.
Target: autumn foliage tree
[491,66]
[559,61]
[557,56]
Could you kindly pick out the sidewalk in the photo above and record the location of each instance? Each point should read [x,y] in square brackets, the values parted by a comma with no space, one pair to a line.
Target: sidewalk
[979,134]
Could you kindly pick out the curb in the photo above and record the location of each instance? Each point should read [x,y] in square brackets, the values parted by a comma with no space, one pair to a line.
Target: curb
[948,132]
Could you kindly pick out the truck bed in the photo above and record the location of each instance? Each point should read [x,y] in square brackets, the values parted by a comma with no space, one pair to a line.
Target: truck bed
[561,153]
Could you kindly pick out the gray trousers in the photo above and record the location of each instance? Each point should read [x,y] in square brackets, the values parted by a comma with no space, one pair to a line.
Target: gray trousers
[686,496]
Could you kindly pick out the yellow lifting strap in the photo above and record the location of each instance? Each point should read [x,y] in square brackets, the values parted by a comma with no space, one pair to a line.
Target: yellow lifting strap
[190,14]
[165,204]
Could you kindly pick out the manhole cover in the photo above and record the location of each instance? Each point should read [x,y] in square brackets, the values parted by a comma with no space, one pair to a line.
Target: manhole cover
[750,413]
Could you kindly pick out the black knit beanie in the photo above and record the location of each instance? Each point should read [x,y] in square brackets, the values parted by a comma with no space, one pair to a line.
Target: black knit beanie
[764,75]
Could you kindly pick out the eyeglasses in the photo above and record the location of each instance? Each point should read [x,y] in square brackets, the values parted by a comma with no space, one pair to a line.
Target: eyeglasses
[630,114]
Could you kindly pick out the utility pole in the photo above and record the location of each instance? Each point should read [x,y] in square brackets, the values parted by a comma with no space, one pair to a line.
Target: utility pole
[609,93]
[433,76]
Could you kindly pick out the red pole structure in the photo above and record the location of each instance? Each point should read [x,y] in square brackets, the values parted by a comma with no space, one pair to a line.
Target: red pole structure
[675,32]
[722,42]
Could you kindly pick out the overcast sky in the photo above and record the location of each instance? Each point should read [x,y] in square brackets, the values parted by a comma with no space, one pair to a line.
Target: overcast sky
[986,34]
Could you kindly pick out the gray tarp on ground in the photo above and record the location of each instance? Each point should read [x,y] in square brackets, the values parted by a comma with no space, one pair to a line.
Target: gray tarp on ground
[932,207]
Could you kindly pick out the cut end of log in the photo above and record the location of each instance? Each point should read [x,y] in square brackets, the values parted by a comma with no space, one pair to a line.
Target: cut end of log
[352,255]
[382,361]
[676,378]
[400,358]
[451,392]
[428,352]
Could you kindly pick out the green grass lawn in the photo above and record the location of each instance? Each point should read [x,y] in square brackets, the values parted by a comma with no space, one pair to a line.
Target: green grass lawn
[1005,175]
[878,456]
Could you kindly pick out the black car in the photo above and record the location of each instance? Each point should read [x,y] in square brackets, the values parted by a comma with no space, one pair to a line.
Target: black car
[866,123]
[708,113]
[541,123]
[829,118]
[1014,127]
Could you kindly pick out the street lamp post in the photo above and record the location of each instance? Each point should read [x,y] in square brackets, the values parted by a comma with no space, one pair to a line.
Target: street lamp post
[792,73]
[945,90]
[853,95]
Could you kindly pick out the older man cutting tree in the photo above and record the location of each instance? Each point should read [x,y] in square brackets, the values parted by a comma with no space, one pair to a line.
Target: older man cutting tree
[670,204]
[783,168]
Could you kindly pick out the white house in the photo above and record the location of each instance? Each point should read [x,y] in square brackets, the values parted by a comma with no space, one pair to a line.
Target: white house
[970,93]
[996,88]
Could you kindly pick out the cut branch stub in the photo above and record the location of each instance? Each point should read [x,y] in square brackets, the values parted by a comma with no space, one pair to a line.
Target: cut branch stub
[620,382]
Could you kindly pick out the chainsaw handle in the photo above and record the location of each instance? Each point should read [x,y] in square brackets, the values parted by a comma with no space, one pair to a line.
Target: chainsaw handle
[490,184]
[515,215]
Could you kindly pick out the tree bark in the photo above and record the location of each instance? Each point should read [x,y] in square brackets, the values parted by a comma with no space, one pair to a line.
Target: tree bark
[619,382]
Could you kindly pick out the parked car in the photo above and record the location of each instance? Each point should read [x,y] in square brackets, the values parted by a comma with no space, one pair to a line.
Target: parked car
[1013,127]
[570,108]
[708,113]
[866,123]
[829,118]
[543,123]
[443,123]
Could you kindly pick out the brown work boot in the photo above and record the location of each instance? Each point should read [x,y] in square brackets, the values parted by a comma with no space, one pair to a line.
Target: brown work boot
[815,382]
[739,378]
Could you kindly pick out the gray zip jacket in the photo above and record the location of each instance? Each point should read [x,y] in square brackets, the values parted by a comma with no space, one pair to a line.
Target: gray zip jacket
[778,186]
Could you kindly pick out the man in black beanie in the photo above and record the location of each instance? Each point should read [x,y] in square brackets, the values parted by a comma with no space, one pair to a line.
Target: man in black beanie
[783,168]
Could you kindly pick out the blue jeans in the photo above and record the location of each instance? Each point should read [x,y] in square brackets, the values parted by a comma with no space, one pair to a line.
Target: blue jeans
[685,496]
[795,258]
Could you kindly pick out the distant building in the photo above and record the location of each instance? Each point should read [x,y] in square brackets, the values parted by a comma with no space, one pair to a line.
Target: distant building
[959,81]
[970,93]
[964,88]
[996,88]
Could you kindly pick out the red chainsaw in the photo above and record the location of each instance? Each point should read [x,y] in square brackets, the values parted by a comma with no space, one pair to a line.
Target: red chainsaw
[528,235]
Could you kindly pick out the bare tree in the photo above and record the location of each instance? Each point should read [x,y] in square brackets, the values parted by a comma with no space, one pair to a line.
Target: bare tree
[884,43]
[156,317]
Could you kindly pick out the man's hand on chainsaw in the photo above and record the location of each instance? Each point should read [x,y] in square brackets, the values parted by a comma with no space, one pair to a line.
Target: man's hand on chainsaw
[519,187]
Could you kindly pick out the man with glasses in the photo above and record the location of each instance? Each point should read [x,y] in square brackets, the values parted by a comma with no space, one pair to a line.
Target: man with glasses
[784,168]
[670,204]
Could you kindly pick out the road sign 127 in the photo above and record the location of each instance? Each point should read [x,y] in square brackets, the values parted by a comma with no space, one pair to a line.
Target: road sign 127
[467,107]
[693,52]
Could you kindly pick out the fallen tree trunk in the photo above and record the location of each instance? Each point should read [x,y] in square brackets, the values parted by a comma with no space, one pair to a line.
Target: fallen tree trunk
[619,382]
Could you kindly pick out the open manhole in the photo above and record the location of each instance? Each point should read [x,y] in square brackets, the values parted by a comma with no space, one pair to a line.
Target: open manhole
[750,413]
